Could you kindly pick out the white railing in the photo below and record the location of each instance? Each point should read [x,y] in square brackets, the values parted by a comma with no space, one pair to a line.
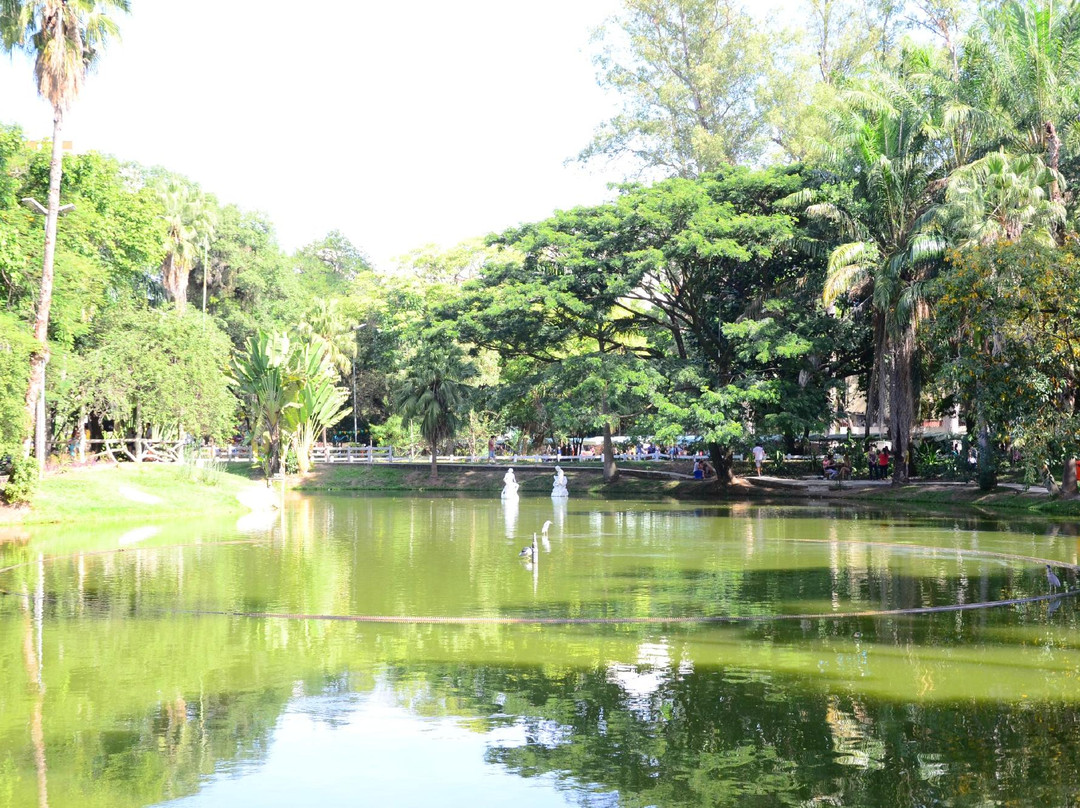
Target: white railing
[352,454]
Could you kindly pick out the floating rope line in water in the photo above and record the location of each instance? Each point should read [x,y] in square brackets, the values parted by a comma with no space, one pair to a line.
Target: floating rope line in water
[592,621]
[585,621]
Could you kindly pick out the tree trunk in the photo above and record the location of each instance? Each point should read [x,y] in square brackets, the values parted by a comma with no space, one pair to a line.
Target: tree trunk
[138,433]
[987,468]
[722,462]
[611,471]
[1068,479]
[901,405]
[40,357]
[1053,158]
[434,461]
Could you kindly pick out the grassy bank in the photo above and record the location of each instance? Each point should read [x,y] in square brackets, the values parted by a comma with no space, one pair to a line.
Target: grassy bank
[163,492]
[1000,499]
[533,481]
[129,491]
[588,481]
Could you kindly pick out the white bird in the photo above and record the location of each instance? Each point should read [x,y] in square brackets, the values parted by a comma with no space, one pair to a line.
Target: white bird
[544,529]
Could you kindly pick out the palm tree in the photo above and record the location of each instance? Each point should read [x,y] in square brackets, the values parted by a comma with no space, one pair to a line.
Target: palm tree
[319,402]
[189,227]
[1027,56]
[65,38]
[901,154]
[999,197]
[326,323]
[433,396]
[269,385]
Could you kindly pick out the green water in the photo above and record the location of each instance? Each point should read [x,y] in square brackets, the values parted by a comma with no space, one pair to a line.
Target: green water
[137,672]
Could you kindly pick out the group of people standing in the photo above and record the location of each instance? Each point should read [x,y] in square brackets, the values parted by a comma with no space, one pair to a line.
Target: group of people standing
[878,461]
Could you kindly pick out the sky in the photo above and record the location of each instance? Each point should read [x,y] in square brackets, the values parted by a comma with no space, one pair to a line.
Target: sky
[399,124]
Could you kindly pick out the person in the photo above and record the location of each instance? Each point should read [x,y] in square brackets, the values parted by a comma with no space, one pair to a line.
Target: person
[699,470]
[828,467]
[491,449]
[845,468]
[883,463]
[872,462]
[759,457]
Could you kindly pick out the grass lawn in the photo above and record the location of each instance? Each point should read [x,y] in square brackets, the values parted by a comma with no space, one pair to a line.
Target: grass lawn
[129,491]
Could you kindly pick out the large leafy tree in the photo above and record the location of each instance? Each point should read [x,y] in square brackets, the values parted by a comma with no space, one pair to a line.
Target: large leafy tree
[64,37]
[686,300]
[1005,326]
[152,369]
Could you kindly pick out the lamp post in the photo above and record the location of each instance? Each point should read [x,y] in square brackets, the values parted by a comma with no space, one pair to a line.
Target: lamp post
[39,417]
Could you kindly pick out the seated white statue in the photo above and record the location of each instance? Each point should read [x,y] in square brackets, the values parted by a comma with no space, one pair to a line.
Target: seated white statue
[558,488]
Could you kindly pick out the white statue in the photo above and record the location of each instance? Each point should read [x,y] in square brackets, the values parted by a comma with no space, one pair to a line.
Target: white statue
[558,488]
[510,485]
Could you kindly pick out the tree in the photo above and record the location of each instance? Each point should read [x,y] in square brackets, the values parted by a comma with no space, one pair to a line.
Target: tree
[326,323]
[434,395]
[679,307]
[64,37]
[153,368]
[1005,324]
[1027,54]
[189,228]
[688,73]
[999,197]
[269,385]
[320,404]
[894,142]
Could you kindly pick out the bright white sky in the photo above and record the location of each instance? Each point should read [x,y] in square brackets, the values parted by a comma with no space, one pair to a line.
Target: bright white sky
[398,123]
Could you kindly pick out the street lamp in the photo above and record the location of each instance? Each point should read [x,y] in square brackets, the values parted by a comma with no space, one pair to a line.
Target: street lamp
[39,417]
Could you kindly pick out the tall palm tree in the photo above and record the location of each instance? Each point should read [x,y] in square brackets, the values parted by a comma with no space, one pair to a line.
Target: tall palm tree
[900,151]
[1027,57]
[433,396]
[189,227]
[326,323]
[65,38]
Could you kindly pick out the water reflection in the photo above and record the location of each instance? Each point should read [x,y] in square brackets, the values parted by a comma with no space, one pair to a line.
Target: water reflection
[129,673]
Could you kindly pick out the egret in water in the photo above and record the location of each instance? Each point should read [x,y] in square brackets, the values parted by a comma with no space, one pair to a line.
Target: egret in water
[543,536]
[529,552]
[1052,579]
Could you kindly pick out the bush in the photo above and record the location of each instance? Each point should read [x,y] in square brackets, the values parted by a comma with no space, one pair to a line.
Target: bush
[23,483]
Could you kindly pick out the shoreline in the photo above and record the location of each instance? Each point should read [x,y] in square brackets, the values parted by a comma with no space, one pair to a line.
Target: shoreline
[157,491]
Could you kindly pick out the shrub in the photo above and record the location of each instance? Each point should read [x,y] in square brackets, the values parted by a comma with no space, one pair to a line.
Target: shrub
[23,483]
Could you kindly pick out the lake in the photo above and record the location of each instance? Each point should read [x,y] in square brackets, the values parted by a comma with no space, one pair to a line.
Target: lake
[387,650]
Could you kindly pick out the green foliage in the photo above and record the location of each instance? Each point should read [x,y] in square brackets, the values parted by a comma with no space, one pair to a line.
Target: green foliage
[319,403]
[687,73]
[173,368]
[15,348]
[1006,324]
[22,484]
[289,396]
[434,395]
